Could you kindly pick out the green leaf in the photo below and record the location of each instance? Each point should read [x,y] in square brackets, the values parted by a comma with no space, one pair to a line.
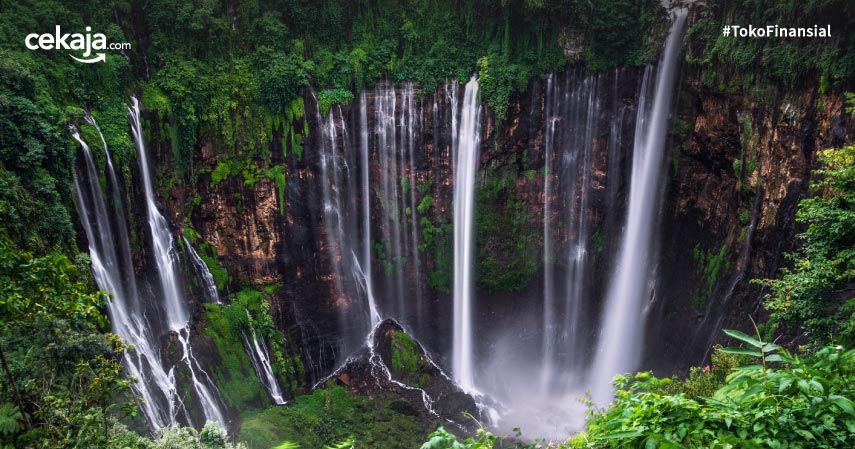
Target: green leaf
[779,358]
[804,433]
[620,435]
[754,367]
[752,391]
[744,337]
[844,403]
[742,351]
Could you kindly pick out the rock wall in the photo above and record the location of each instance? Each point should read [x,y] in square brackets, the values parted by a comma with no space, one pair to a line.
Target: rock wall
[723,223]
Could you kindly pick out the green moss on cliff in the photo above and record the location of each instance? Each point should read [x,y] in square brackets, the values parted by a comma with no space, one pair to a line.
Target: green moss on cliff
[208,254]
[234,375]
[408,366]
[507,242]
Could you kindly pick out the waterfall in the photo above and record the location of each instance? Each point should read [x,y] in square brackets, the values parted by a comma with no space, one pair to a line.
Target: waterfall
[464,235]
[584,106]
[621,330]
[552,100]
[260,358]
[386,104]
[154,385]
[205,276]
[365,153]
[177,317]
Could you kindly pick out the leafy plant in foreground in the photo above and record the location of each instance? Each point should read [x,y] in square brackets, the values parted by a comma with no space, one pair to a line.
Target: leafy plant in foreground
[780,401]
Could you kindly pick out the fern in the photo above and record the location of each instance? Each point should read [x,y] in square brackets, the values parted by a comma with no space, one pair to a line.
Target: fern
[10,418]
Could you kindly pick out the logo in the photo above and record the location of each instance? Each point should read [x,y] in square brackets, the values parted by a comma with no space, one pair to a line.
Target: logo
[76,41]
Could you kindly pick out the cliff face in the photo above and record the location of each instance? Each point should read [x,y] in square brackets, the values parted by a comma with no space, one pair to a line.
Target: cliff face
[737,169]
[729,216]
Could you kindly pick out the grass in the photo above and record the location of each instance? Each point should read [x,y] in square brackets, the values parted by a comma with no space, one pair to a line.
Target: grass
[331,415]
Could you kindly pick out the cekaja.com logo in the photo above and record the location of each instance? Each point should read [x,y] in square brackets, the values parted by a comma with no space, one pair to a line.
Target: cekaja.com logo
[75,41]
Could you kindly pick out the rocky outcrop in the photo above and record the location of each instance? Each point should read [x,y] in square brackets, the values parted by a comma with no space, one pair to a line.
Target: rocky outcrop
[393,362]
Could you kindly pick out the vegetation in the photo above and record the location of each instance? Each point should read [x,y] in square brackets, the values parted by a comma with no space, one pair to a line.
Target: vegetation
[227,327]
[408,365]
[50,319]
[709,265]
[815,295]
[333,414]
[773,66]
[505,234]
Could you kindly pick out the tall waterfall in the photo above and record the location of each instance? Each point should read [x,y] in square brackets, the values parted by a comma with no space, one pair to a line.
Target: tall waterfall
[621,331]
[177,317]
[549,330]
[156,387]
[365,154]
[464,235]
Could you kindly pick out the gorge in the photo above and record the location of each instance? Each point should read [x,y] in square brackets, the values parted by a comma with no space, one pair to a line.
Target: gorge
[385,239]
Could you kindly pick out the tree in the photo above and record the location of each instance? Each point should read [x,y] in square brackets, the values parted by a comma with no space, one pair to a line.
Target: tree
[62,370]
[817,293]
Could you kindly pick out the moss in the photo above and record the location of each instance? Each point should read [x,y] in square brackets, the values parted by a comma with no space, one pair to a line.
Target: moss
[330,97]
[408,365]
[277,174]
[709,266]
[234,375]
[507,242]
[208,254]
[330,415]
[438,240]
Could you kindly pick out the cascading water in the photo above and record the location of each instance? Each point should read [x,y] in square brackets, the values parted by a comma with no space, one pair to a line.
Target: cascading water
[548,275]
[621,331]
[584,106]
[396,128]
[176,316]
[365,154]
[260,358]
[160,403]
[204,274]
[464,227]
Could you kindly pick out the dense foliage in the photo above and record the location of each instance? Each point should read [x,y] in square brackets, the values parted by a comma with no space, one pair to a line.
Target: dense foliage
[331,415]
[772,400]
[816,295]
[50,319]
[772,67]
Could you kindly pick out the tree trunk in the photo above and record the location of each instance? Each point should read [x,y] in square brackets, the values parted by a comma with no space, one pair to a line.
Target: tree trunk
[15,390]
